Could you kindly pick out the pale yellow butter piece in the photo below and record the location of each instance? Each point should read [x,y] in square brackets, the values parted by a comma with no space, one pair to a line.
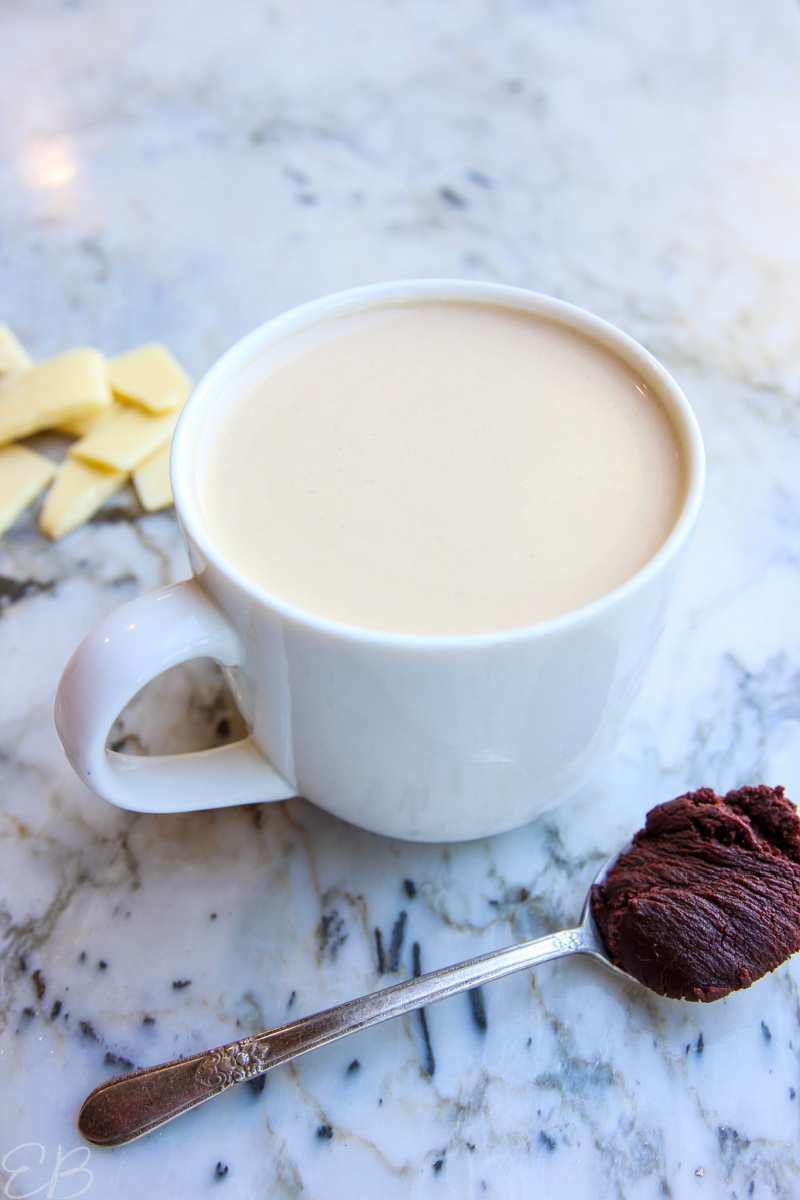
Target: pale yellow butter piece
[13,356]
[152,482]
[23,474]
[150,376]
[77,492]
[52,392]
[124,438]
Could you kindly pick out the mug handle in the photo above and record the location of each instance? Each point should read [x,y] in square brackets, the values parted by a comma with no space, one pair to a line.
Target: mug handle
[129,648]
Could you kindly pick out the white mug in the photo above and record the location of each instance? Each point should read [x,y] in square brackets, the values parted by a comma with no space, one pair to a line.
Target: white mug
[424,738]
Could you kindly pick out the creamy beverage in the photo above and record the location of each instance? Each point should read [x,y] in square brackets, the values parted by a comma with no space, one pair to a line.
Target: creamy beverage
[440,468]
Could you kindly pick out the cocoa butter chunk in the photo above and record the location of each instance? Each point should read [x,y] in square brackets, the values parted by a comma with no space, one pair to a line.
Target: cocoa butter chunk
[77,493]
[13,356]
[150,376]
[152,482]
[59,389]
[707,900]
[124,437]
[23,475]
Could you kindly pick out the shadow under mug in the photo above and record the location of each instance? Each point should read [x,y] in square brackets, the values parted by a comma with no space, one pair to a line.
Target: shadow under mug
[423,738]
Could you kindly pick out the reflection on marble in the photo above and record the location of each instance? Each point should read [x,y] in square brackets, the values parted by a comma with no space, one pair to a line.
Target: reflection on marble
[185,171]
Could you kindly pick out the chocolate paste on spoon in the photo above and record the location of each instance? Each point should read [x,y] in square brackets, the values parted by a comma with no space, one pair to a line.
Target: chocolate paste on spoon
[707,899]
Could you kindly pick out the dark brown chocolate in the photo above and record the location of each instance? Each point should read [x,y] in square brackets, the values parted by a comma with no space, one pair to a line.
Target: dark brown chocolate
[707,900]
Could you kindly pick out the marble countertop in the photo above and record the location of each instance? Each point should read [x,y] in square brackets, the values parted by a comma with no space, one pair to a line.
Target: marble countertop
[184,171]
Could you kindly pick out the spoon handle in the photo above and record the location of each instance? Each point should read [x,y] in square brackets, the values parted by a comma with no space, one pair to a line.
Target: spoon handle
[130,1105]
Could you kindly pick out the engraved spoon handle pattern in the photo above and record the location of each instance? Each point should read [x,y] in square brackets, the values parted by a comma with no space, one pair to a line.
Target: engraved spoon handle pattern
[131,1105]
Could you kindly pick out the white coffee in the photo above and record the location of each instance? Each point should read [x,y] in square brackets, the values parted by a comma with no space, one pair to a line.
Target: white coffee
[442,468]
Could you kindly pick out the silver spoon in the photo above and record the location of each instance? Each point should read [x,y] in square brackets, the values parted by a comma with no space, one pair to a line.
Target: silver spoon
[131,1105]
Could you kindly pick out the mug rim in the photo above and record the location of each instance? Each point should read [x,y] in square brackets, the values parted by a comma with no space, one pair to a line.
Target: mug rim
[369,296]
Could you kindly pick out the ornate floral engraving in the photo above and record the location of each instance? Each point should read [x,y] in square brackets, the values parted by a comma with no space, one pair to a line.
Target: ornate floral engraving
[234,1063]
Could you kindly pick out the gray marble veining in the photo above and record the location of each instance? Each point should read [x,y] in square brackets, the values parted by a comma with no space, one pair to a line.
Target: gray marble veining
[186,171]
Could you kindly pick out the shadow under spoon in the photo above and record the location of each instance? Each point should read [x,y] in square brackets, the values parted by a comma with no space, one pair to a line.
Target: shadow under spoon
[131,1105]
